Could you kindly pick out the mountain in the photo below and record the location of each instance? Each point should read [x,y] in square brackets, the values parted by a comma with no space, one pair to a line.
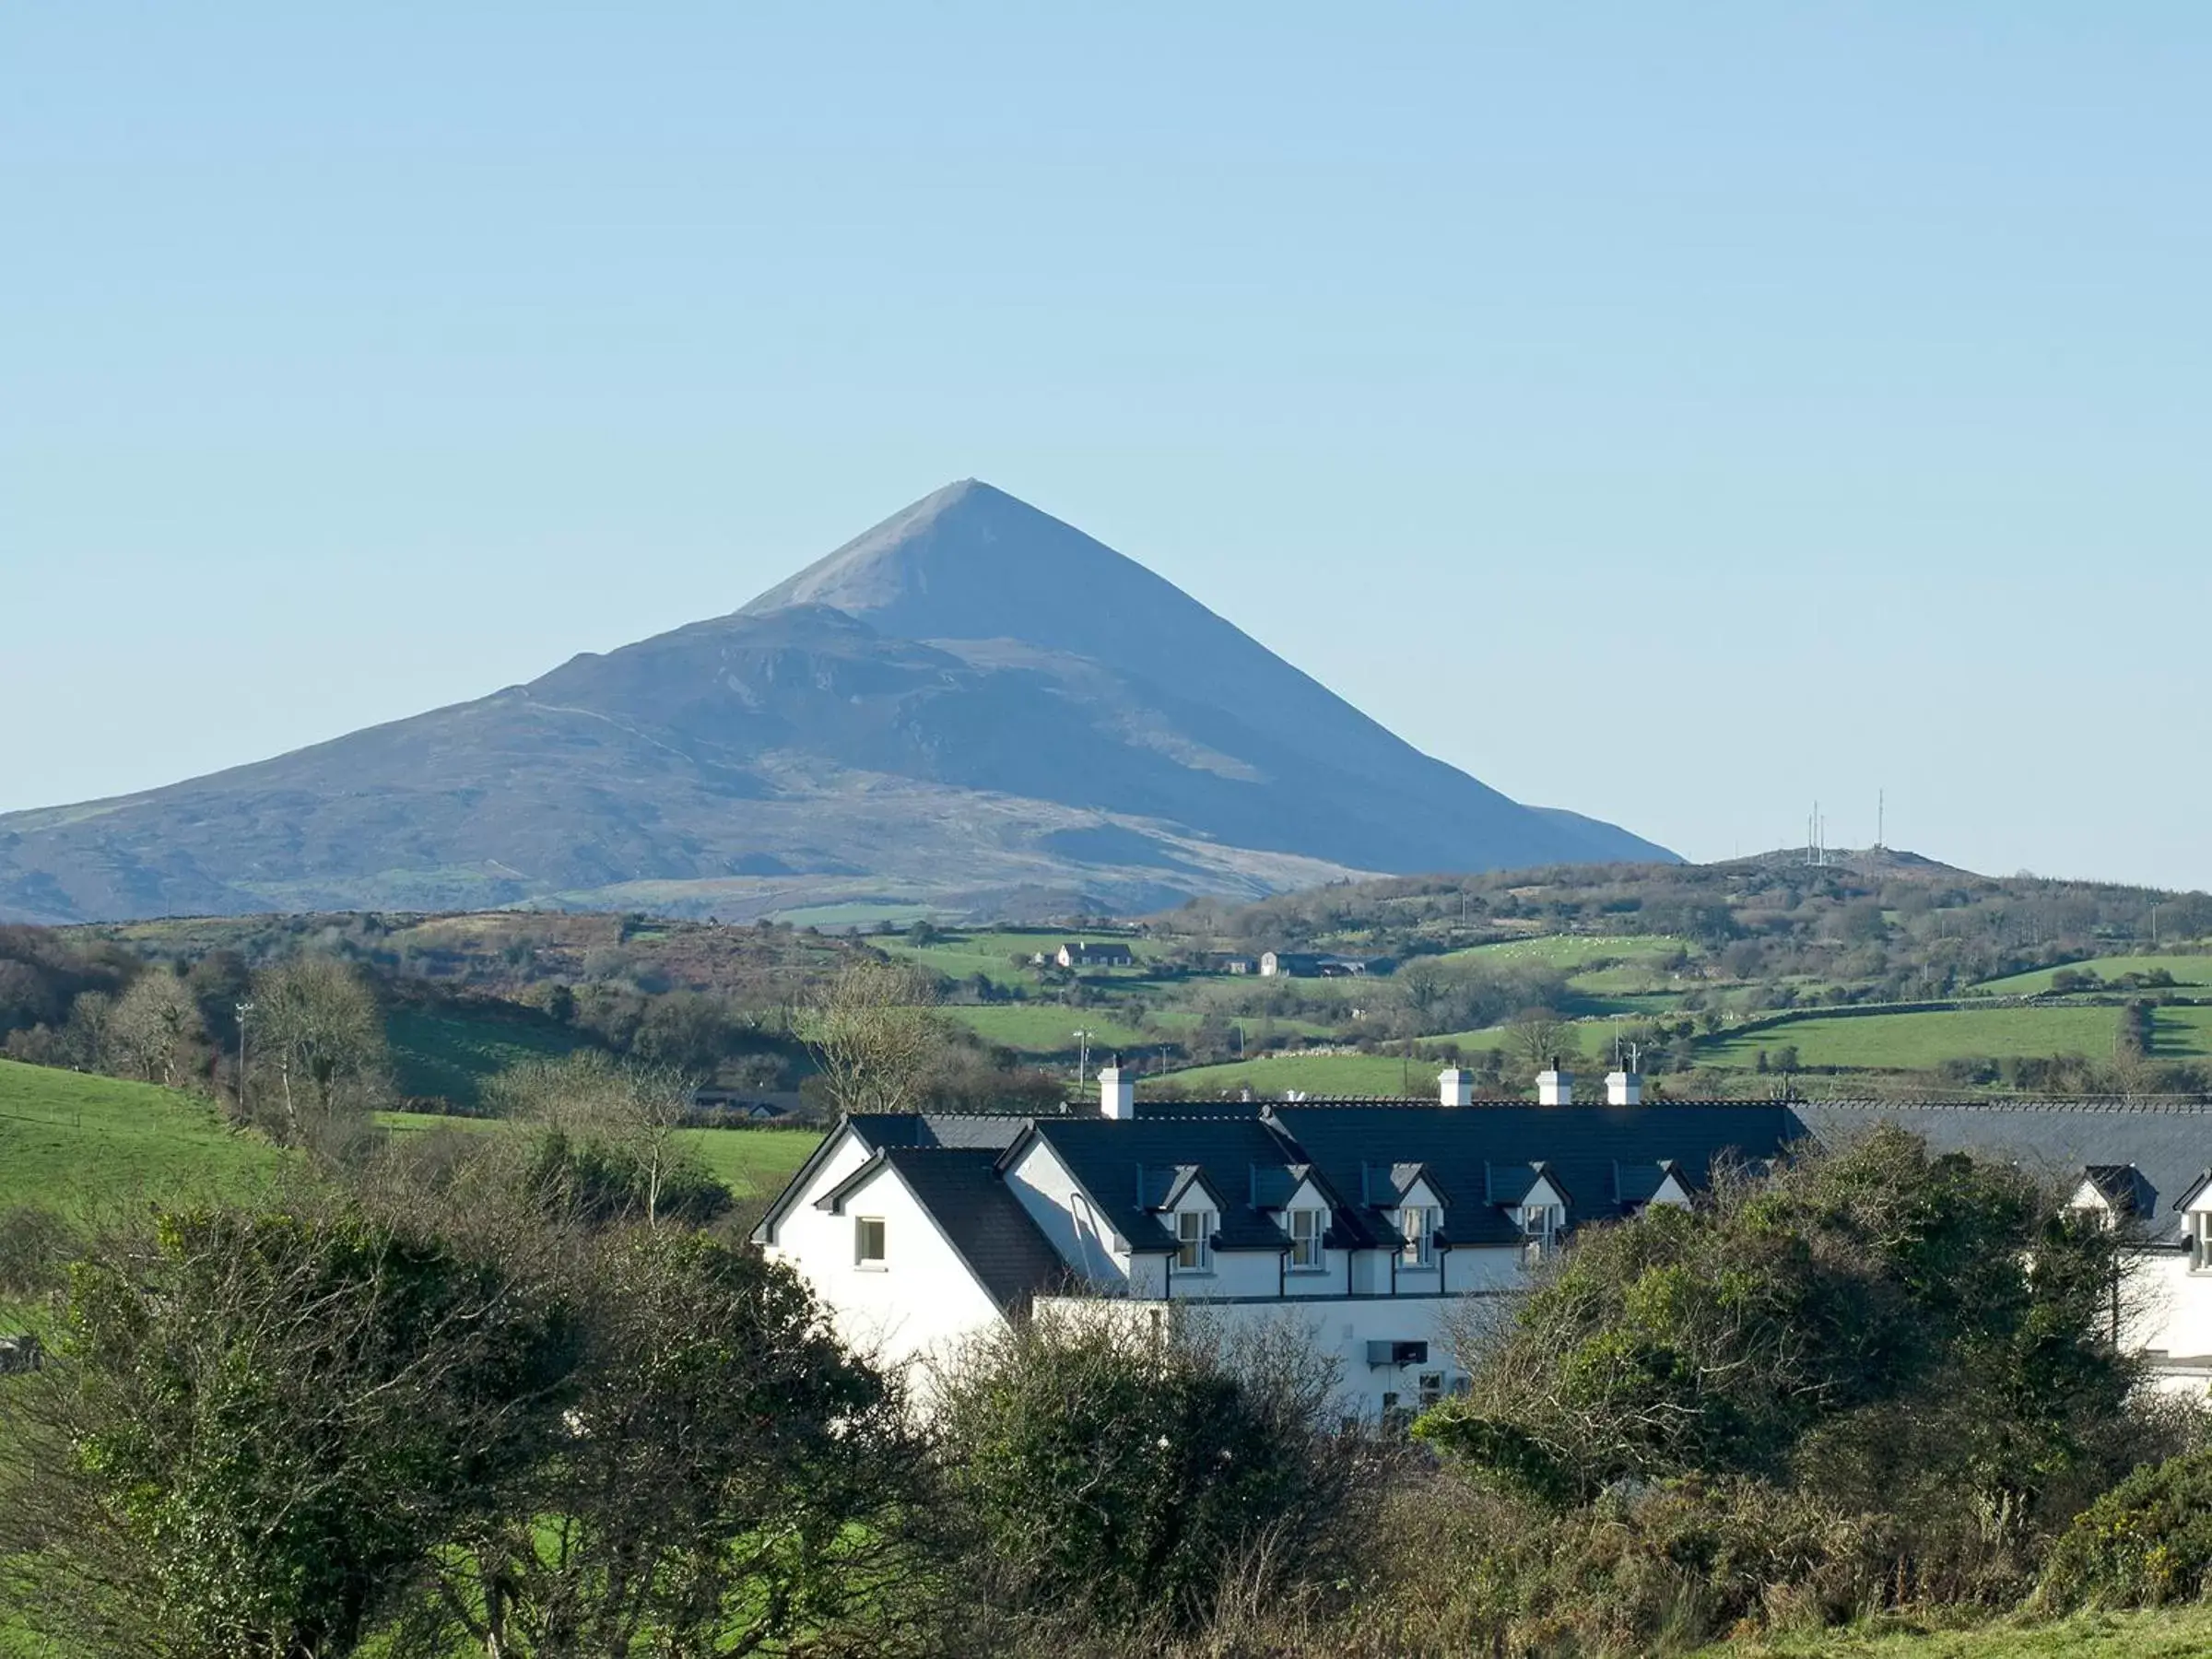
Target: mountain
[972,706]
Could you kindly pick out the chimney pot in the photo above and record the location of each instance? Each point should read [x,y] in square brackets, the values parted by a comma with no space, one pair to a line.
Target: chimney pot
[1117,1092]
[1624,1088]
[1555,1088]
[1455,1087]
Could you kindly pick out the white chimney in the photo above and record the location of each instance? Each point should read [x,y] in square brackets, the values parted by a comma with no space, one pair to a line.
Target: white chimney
[1117,1092]
[1455,1087]
[1624,1088]
[1555,1088]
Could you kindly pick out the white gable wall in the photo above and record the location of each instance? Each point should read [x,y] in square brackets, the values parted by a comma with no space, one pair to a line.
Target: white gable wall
[1045,1188]
[921,1304]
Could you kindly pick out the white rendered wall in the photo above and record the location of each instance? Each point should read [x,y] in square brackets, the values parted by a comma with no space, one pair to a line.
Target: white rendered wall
[1045,1188]
[919,1306]
[1341,1329]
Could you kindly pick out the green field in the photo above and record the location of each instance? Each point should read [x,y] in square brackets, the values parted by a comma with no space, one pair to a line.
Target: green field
[449,1051]
[1572,952]
[753,1163]
[1320,1075]
[1048,1029]
[69,1141]
[992,954]
[2166,1633]
[1917,1041]
[2190,973]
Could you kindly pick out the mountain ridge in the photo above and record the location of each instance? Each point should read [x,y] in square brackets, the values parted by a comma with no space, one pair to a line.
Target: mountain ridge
[970,700]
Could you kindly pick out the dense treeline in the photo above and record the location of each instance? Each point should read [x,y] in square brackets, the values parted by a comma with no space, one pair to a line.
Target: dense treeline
[462,1395]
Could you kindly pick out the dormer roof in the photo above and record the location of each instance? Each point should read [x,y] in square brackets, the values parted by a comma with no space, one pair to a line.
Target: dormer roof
[2122,1187]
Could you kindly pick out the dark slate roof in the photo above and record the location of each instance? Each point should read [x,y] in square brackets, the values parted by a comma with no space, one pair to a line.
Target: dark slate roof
[2168,1144]
[981,1131]
[1473,1152]
[1120,1164]
[964,1194]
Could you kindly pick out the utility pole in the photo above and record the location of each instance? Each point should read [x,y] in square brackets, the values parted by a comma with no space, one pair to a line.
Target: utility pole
[244,1008]
[1082,1056]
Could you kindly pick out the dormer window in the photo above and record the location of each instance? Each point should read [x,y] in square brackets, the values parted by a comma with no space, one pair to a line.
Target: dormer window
[1195,1240]
[1307,1226]
[1418,1223]
[1540,1228]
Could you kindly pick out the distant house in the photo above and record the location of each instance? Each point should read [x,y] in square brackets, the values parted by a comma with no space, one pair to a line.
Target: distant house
[1300,964]
[1077,955]
[1235,964]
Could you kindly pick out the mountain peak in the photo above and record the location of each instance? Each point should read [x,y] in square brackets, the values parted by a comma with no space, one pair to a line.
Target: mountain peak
[969,562]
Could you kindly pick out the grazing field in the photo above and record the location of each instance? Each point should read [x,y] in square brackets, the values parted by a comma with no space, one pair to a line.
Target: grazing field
[449,1051]
[993,954]
[1917,1041]
[2166,1633]
[1047,1028]
[1571,953]
[2190,973]
[69,1142]
[1320,1075]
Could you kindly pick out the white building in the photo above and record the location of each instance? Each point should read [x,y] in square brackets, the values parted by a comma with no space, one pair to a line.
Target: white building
[1378,1228]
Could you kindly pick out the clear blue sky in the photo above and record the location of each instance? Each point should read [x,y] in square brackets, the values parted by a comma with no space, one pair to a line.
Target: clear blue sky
[1677,412]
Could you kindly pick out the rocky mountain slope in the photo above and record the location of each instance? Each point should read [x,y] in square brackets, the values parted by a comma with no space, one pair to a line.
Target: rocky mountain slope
[972,705]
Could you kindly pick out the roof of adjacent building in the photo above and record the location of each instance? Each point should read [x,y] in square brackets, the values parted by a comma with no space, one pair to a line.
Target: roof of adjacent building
[2168,1144]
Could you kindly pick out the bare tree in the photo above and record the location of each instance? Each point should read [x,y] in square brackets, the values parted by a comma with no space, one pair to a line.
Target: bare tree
[157,1027]
[594,1099]
[1537,1035]
[316,1021]
[874,1035]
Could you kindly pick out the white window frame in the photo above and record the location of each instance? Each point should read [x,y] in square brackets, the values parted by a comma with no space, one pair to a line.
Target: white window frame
[1540,1227]
[2200,1241]
[1418,1223]
[1431,1388]
[861,1258]
[1308,1225]
[1195,1240]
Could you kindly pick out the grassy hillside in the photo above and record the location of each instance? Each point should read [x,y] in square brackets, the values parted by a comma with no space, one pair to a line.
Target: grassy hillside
[2166,1633]
[754,1164]
[449,1050]
[2190,973]
[69,1141]
[1918,1042]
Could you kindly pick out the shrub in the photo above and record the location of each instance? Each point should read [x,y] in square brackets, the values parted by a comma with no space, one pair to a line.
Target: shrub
[1120,1474]
[35,1248]
[2146,1542]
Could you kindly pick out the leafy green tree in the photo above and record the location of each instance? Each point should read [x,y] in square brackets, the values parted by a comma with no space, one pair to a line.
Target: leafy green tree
[257,1425]
[1871,1320]
[732,1481]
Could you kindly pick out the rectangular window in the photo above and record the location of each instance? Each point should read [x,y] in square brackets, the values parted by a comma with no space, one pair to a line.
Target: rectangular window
[2200,1241]
[1195,1234]
[1419,1223]
[867,1241]
[1433,1388]
[1306,1229]
[1541,1225]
